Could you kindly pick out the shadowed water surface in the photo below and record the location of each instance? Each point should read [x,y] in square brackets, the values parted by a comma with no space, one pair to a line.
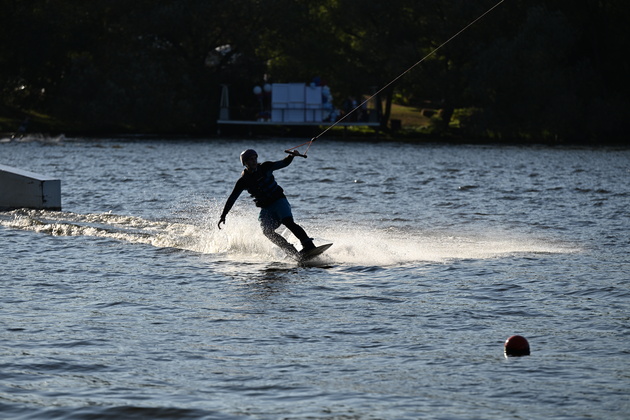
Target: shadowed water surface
[131,304]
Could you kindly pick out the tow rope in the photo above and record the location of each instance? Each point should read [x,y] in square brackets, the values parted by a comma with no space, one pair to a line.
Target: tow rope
[293,150]
[296,153]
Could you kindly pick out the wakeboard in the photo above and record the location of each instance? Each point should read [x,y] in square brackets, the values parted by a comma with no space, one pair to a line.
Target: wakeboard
[309,255]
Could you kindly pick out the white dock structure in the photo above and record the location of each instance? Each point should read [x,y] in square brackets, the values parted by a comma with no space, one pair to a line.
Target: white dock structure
[24,189]
[291,105]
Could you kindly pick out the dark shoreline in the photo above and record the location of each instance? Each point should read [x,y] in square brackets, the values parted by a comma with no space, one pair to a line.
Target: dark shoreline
[363,138]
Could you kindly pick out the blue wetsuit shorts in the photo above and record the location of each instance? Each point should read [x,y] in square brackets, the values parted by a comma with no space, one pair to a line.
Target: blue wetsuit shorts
[273,215]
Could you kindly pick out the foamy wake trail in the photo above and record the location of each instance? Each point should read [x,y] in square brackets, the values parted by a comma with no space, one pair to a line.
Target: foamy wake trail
[242,239]
[105,225]
[198,234]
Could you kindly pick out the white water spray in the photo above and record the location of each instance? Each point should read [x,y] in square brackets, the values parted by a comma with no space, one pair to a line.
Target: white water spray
[242,239]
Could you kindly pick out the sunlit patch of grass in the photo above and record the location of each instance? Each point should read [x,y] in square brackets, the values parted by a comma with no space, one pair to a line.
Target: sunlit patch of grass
[410,116]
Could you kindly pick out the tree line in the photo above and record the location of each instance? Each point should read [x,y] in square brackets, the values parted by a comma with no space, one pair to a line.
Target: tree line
[530,69]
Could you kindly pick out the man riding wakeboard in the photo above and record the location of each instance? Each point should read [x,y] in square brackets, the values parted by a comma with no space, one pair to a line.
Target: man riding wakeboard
[258,180]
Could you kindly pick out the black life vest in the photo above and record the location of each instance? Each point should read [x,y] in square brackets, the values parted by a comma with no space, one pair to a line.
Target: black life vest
[262,185]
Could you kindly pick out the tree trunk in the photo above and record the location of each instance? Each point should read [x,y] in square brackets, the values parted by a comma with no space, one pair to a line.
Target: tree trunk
[389,96]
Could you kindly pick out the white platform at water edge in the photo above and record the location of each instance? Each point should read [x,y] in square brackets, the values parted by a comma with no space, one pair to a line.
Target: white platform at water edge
[24,189]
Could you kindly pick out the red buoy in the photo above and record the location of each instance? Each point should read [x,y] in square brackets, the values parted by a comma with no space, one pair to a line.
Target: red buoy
[516,346]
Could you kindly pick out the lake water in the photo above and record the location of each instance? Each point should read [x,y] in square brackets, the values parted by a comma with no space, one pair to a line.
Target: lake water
[130,303]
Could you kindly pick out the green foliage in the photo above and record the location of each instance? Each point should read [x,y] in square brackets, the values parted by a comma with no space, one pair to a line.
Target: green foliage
[530,69]
[550,80]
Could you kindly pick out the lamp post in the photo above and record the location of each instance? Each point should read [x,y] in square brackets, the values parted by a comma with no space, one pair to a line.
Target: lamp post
[261,93]
[258,92]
